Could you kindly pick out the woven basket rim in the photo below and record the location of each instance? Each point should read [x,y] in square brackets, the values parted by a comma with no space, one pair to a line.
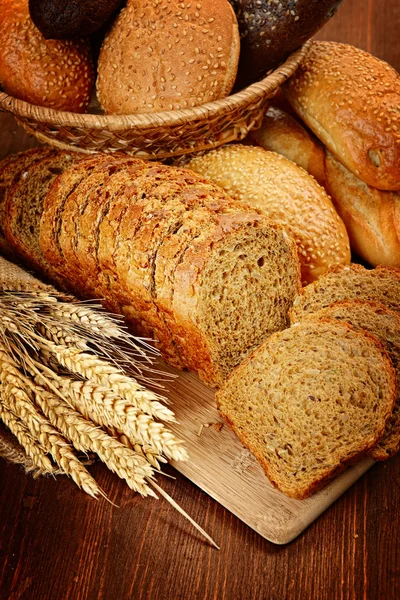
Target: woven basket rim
[159,119]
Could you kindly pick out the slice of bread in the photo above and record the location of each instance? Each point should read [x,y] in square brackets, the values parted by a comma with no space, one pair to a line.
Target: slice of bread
[310,400]
[24,208]
[349,283]
[11,168]
[384,324]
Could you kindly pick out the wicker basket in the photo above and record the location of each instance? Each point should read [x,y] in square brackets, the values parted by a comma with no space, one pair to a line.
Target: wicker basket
[158,135]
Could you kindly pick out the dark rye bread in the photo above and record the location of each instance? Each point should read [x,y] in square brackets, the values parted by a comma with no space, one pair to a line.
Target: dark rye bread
[129,229]
[309,401]
[349,283]
[24,208]
[11,168]
[384,324]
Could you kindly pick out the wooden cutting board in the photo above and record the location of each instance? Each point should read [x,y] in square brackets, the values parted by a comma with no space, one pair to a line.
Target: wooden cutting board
[229,473]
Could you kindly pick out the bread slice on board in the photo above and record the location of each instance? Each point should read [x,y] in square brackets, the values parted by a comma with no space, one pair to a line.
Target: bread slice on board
[349,283]
[384,324]
[309,401]
[24,207]
[286,194]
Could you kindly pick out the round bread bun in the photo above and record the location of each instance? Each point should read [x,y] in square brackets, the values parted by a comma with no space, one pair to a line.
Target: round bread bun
[271,30]
[65,19]
[166,56]
[285,193]
[52,73]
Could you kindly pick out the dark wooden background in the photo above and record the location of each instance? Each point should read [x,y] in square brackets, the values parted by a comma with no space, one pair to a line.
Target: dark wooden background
[57,544]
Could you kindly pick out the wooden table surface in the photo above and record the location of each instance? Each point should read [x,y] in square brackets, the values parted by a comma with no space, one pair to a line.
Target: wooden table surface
[55,543]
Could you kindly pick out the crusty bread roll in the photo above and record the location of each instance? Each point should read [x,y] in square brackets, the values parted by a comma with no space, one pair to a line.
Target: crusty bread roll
[351,100]
[283,134]
[286,194]
[165,56]
[51,73]
[371,216]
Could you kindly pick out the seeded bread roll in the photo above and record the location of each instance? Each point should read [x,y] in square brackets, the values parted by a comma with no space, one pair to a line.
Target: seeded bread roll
[270,30]
[351,101]
[163,56]
[309,401]
[383,324]
[282,133]
[285,193]
[106,222]
[349,283]
[55,74]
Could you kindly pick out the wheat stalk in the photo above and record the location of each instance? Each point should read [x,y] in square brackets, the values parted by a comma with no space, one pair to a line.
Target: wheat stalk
[16,399]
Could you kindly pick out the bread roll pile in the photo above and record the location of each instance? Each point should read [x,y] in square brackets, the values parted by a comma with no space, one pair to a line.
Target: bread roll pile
[153,56]
[350,100]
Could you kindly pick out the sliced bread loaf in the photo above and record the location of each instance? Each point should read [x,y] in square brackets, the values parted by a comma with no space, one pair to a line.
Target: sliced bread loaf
[24,207]
[349,283]
[310,400]
[384,324]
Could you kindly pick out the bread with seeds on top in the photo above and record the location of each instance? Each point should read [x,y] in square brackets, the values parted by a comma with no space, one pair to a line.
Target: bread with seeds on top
[351,101]
[51,73]
[286,194]
[166,56]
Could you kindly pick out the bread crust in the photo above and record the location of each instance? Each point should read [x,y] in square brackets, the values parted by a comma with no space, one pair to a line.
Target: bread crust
[164,56]
[350,100]
[25,57]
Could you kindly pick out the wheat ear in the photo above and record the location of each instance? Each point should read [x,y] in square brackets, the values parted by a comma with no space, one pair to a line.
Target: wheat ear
[40,462]
[128,465]
[16,399]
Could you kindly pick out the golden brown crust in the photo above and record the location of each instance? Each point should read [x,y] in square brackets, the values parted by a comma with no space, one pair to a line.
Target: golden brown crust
[282,133]
[52,73]
[351,101]
[165,56]
[371,216]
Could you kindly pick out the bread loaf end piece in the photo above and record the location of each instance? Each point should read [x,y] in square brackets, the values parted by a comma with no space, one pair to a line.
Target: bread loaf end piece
[286,194]
[349,283]
[384,324]
[350,100]
[311,400]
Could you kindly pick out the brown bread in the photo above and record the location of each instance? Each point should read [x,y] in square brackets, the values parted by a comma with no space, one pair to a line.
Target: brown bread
[311,400]
[349,283]
[384,324]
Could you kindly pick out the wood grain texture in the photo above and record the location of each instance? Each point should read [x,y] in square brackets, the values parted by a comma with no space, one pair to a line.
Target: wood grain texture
[56,544]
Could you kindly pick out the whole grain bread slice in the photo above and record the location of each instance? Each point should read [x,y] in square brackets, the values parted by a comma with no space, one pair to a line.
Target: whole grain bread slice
[349,283]
[384,324]
[24,208]
[11,168]
[309,401]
